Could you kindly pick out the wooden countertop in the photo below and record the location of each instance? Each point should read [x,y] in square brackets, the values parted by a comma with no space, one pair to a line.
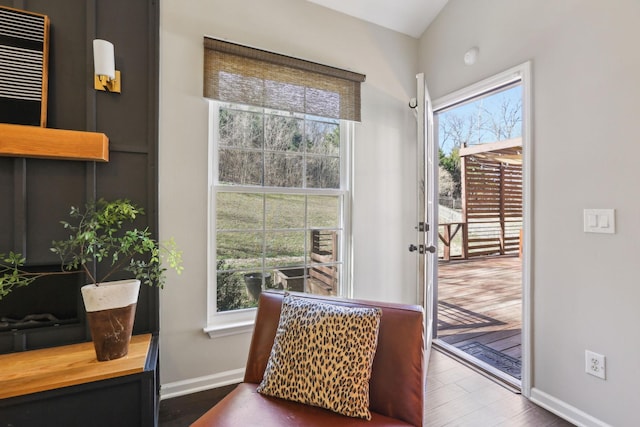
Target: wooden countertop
[51,368]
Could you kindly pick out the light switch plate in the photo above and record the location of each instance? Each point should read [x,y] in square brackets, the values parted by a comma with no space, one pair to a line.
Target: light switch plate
[599,221]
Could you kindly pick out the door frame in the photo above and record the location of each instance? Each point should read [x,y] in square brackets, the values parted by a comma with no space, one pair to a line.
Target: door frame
[520,73]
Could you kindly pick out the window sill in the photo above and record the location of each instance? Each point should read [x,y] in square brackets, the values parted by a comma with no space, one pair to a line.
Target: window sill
[233,323]
[227,330]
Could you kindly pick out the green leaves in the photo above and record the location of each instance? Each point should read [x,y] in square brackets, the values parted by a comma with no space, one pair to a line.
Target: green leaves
[11,276]
[173,255]
[13,259]
[103,232]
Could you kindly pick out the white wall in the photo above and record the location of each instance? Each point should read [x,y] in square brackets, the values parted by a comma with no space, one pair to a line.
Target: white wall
[586,64]
[384,187]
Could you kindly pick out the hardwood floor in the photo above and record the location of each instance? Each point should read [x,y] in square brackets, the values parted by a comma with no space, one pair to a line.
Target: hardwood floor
[459,396]
[456,396]
[184,410]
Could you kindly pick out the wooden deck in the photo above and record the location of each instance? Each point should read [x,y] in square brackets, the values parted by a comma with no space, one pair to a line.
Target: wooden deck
[480,302]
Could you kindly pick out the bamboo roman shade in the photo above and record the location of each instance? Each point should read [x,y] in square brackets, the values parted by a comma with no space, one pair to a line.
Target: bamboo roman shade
[245,75]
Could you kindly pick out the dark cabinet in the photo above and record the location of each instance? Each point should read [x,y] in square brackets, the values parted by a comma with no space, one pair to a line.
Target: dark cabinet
[79,391]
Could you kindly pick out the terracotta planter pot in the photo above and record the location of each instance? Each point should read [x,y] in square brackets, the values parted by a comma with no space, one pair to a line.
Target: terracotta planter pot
[111,309]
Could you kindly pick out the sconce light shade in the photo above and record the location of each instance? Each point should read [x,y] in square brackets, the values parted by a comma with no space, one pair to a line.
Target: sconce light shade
[107,78]
[103,59]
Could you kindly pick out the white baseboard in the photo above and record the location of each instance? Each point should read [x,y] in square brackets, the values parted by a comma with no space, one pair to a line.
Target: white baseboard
[564,410]
[194,385]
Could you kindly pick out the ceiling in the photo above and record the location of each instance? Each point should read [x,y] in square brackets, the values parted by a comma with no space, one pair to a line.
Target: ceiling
[410,17]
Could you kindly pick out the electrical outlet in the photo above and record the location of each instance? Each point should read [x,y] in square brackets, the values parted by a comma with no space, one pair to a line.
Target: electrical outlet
[595,364]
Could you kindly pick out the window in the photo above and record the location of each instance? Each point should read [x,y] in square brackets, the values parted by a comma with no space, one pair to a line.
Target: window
[280,197]
[280,138]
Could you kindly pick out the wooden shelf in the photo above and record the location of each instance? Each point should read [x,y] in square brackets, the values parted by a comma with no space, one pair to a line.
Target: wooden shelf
[52,368]
[46,143]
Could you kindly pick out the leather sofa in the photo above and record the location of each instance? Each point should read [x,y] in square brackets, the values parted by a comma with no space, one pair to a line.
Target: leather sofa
[396,386]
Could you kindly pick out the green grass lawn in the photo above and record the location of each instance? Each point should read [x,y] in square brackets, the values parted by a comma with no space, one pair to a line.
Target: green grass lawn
[250,225]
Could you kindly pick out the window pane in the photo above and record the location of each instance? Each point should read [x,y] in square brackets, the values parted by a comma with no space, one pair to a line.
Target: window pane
[284,211]
[323,172]
[323,138]
[290,279]
[323,246]
[239,211]
[240,249]
[284,248]
[240,167]
[240,128]
[281,170]
[256,281]
[283,133]
[323,211]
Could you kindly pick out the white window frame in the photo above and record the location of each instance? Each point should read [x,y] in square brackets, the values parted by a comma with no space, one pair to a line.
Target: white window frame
[241,321]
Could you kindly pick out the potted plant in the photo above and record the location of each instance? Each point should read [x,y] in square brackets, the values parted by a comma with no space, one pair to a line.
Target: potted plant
[104,233]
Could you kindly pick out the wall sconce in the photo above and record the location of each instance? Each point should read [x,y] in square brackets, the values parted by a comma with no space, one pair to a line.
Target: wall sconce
[107,78]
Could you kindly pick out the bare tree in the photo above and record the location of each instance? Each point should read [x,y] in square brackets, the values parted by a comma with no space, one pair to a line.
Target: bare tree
[502,122]
[458,130]
[483,122]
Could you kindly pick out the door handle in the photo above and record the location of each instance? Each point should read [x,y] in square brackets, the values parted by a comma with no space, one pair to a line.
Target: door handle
[422,248]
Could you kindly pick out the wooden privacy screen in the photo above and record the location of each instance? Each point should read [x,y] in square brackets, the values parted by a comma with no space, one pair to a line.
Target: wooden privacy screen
[24,51]
[492,201]
[323,279]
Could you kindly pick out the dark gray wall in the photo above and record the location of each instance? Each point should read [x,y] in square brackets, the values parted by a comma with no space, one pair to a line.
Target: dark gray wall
[36,194]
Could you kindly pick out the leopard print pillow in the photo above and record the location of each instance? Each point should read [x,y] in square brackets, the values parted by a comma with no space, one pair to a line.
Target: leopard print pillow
[322,356]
